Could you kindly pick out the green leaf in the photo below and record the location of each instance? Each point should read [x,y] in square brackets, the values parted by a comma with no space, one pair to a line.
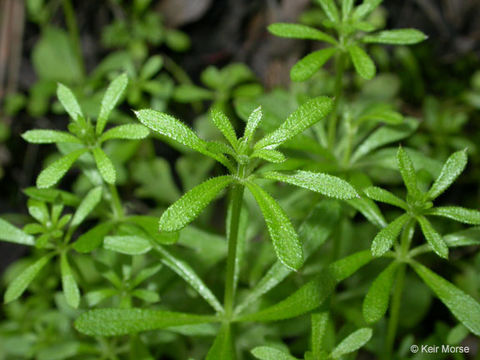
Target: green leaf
[116,322]
[301,119]
[113,94]
[466,216]
[87,205]
[382,195]
[51,195]
[375,304]
[385,238]
[452,168]
[396,37]
[185,271]
[191,204]
[221,121]
[310,64]
[324,184]
[346,267]
[362,62]
[93,238]
[104,165]
[347,7]
[11,233]
[270,353]
[186,93]
[284,237]
[298,31]
[55,171]
[127,244]
[463,306]
[405,165]
[127,131]
[273,156]
[252,124]
[352,342]
[151,67]
[466,237]
[70,287]
[146,295]
[150,225]
[49,137]
[223,347]
[433,237]
[319,329]
[19,284]
[69,102]
[370,210]
[330,9]
[366,8]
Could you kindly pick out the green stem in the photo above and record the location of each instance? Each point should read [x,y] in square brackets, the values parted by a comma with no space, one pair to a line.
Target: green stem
[236,199]
[340,62]
[116,202]
[73,32]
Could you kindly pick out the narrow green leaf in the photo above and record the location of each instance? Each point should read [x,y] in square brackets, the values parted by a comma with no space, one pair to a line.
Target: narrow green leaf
[298,31]
[346,267]
[362,62]
[324,184]
[284,237]
[93,238]
[11,233]
[433,237]
[187,93]
[310,64]
[221,121]
[347,7]
[104,165]
[385,238]
[116,322]
[223,347]
[466,237]
[191,204]
[319,329]
[55,171]
[382,195]
[252,124]
[301,119]
[49,137]
[150,225]
[466,216]
[463,306]
[370,210]
[127,244]
[70,287]
[127,131]
[16,288]
[273,156]
[270,353]
[452,168]
[396,37]
[113,94]
[366,8]
[87,205]
[330,9]
[375,304]
[69,102]
[352,343]
[405,165]
[151,67]
[146,295]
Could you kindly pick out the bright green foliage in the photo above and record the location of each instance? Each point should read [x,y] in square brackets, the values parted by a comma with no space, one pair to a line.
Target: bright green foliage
[69,284]
[298,31]
[352,343]
[269,353]
[114,91]
[55,171]
[362,62]
[384,240]
[223,347]
[10,233]
[49,137]
[396,37]
[310,64]
[89,203]
[69,102]
[452,168]
[105,166]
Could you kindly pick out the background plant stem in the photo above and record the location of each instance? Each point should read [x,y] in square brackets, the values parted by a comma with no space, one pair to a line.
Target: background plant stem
[73,32]
[332,123]
[116,202]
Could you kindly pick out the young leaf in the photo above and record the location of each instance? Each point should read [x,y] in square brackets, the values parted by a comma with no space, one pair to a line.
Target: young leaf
[365,8]
[466,237]
[270,353]
[310,64]
[362,62]
[70,287]
[150,225]
[116,322]
[151,67]
[298,31]
[221,121]
[319,329]
[466,216]
[104,165]
[382,195]
[49,137]
[384,240]
[187,93]
[93,238]
[324,184]
[273,156]
[223,347]
[352,343]
[11,233]
[346,267]
[375,304]
[69,102]
[191,204]
[146,295]
[452,168]
[347,7]
[16,288]
[55,171]
[89,203]
[405,165]
[330,9]
[301,119]
[127,244]
[127,131]
[433,237]
[252,123]
[463,306]
[370,210]
[285,239]
[396,37]
[114,91]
